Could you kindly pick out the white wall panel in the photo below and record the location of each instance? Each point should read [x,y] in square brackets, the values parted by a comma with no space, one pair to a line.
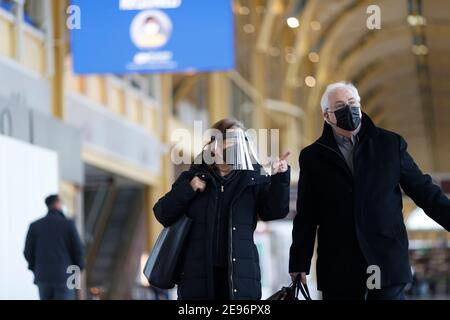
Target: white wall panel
[27,175]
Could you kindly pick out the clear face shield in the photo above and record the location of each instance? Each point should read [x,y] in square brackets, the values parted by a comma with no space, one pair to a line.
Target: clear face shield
[236,150]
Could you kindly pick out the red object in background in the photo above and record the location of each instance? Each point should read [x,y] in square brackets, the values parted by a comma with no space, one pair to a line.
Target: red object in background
[445,185]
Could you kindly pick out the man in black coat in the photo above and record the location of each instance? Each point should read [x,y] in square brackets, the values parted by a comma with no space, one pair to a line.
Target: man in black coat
[349,192]
[52,246]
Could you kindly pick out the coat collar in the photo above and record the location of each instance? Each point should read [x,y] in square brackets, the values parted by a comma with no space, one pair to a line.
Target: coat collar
[249,177]
[246,177]
[55,212]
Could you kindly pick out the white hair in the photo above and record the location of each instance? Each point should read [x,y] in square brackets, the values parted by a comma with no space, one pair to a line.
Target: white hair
[325,101]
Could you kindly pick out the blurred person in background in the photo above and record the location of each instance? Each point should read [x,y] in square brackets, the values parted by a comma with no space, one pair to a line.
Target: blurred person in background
[349,192]
[52,245]
[224,199]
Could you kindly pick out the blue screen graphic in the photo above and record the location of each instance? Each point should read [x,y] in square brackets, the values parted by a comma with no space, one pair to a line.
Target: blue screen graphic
[153,36]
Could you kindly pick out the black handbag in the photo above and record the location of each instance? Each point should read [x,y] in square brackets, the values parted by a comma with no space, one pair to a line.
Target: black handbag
[291,293]
[162,267]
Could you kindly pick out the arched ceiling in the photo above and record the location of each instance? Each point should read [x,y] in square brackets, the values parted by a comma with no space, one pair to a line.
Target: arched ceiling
[404,92]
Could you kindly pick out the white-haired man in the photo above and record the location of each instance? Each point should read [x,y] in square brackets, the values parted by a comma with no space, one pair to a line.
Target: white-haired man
[349,192]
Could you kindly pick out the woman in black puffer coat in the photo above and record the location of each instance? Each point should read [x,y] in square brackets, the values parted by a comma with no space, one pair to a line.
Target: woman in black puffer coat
[220,260]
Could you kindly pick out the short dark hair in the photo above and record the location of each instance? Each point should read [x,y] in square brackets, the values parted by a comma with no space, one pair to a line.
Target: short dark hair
[51,200]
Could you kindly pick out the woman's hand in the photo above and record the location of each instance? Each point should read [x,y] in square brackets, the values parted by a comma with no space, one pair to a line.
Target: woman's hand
[198,184]
[281,165]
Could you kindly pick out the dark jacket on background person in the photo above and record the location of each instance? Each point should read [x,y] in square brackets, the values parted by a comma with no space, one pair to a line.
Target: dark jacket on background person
[255,195]
[52,245]
[358,217]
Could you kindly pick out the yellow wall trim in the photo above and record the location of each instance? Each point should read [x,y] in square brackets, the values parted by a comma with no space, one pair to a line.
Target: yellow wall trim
[104,161]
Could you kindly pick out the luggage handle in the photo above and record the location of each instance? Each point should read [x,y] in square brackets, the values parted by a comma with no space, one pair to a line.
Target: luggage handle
[301,287]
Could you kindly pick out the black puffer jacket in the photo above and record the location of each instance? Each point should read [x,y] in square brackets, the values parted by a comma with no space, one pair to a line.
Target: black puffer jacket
[257,195]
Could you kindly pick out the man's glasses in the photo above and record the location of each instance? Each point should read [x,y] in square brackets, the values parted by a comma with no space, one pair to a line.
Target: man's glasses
[351,103]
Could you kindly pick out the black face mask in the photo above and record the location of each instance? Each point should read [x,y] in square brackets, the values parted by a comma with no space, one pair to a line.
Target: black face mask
[348,118]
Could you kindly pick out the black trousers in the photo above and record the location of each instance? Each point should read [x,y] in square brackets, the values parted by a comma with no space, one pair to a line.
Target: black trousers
[221,284]
[353,284]
[395,292]
[55,292]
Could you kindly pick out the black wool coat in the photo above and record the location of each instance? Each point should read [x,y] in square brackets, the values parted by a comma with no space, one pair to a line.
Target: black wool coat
[257,195]
[51,246]
[358,217]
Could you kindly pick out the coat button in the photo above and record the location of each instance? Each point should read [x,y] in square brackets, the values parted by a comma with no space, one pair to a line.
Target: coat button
[253,179]
[235,290]
[234,228]
[234,259]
